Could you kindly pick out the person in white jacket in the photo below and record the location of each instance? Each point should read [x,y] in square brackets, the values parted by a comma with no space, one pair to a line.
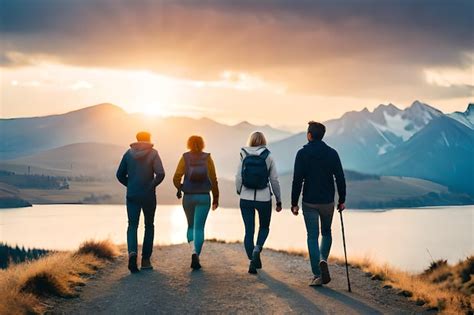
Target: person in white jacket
[256,181]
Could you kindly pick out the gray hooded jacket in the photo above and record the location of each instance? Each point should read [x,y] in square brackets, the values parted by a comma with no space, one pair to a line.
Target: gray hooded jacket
[141,170]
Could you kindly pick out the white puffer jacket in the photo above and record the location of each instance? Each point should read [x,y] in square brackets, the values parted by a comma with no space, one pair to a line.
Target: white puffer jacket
[258,194]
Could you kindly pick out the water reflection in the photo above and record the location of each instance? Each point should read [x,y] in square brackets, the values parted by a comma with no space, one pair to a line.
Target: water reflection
[400,237]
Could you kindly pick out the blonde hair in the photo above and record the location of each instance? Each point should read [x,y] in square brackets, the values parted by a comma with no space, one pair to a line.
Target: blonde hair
[256,139]
[195,144]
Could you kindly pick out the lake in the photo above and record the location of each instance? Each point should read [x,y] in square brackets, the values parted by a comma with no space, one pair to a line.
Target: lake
[405,238]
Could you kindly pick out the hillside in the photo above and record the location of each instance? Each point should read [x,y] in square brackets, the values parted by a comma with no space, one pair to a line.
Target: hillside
[107,123]
[442,152]
[11,197]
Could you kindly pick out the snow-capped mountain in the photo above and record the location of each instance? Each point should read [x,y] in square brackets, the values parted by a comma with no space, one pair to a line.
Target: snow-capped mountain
[466,118]
[386,127]
[442,152]
[419,141]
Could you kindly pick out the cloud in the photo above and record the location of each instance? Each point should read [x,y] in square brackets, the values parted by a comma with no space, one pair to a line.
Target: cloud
[357,48]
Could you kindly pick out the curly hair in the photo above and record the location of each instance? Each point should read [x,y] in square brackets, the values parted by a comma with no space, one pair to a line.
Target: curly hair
[195,144]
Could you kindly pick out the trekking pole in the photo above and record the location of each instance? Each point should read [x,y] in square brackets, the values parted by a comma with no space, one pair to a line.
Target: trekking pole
[345,252]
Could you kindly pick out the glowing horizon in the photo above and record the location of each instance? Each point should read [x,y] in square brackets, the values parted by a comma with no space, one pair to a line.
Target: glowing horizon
[267,63]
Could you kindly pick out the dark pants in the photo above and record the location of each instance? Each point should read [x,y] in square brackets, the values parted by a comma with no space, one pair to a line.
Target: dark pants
[248,207]
[134,207]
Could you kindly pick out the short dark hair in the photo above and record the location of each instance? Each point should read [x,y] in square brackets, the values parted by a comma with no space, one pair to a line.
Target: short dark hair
[317,130]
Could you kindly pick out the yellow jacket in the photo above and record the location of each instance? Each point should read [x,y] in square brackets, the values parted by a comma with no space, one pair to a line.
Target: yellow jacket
[180,169]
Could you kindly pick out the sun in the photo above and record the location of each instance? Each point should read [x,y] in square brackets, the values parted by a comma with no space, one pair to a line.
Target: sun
[152,109]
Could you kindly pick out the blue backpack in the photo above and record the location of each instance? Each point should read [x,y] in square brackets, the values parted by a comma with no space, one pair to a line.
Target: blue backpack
[255,171]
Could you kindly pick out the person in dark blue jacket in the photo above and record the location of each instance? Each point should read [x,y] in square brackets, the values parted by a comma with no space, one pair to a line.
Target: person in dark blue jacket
[317,166]
[141,171]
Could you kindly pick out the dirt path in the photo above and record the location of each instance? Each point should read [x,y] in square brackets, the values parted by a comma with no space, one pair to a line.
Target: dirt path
[224,286]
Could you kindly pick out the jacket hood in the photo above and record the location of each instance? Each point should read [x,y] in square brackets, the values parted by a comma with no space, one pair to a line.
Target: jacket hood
[254,150]
[317,149]
[140,149]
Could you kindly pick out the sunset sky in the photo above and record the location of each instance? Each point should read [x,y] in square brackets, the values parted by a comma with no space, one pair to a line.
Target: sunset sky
[276,62]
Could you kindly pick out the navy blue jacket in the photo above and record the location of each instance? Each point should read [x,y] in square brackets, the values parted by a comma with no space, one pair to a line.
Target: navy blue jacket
[141,170]
[316,166]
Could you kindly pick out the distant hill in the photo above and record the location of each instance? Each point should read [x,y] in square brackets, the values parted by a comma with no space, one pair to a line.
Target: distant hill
[11,197]
[86,159]
[107,123]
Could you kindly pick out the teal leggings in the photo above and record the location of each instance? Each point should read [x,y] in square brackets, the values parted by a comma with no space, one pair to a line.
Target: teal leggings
[196,207]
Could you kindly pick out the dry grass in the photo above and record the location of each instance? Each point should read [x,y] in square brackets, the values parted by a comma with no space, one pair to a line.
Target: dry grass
[443,287]
[101,249]
[220,241]
[23,287]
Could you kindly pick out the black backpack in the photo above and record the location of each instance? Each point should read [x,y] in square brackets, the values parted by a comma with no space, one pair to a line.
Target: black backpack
[255,172]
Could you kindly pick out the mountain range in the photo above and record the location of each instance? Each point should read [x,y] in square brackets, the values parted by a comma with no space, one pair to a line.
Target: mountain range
[417,142]
[109,124]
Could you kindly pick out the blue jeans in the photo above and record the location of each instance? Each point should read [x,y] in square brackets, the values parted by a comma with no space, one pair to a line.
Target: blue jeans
[196,207]
[247,208]
[134,207]
[312,216]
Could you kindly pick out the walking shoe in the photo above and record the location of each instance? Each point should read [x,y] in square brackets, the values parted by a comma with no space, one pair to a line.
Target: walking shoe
[146,264]
[257,262]
[325,276]
[316,282]
[132,263]
[195,262]
[252,268]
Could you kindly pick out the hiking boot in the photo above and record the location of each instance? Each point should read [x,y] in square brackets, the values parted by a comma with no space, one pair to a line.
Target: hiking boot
[132,263]
[195,262]
[257,262]
[146,264]
[316,282]
[325,276]
[252,268]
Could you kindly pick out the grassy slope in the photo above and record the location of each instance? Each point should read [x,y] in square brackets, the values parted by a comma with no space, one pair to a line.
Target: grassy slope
[24,286]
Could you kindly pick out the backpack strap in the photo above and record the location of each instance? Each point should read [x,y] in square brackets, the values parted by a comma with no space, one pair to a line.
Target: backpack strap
[243,154]
[265,154]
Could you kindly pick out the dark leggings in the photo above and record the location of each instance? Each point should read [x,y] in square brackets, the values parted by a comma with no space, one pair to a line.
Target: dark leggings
[247,208]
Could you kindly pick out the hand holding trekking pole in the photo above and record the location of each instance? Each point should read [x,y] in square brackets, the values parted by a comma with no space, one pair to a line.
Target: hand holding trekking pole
[340,208]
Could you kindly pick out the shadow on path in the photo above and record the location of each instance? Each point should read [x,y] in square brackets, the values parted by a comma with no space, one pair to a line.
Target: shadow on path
[350,302]
[295,299]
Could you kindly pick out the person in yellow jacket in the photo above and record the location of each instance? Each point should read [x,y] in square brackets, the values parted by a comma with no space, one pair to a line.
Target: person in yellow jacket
[200,178]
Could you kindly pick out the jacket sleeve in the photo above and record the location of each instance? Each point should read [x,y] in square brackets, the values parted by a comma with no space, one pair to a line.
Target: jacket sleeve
[213,178]
[274,180]
[122,172]
[238,176]
[158,170]
[298,178]
[340,179]
[178,174]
